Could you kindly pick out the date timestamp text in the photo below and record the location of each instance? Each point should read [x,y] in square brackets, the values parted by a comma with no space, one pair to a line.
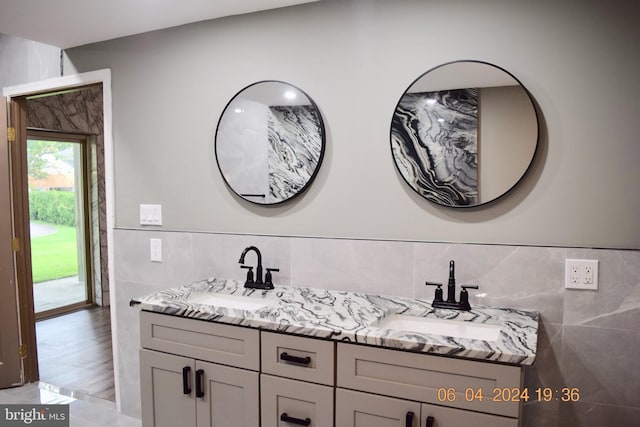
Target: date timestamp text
[506,394]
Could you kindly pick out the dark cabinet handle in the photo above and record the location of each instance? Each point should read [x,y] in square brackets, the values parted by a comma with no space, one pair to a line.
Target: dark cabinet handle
[199,383]
[430,421]
[295,359]
[409,419]
[297,421]
[186,373]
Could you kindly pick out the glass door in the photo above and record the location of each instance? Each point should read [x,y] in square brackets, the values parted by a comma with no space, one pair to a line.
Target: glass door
[58,216]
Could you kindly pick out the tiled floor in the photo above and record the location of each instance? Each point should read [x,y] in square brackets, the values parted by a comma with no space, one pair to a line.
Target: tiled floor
[84,410]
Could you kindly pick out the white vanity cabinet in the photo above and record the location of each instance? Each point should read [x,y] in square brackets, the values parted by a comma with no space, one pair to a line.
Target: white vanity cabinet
[196,373]
[207,374]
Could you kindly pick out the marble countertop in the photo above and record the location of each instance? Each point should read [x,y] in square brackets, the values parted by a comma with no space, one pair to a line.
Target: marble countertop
[352,317]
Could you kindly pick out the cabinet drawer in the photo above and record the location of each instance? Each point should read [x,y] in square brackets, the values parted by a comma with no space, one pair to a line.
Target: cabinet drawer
[449,417]
[284,401]
[419,377]
[212,342]
[357,409]
[305,359]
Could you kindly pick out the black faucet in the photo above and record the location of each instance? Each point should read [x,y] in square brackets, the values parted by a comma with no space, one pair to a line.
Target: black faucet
[439,302]
[257,283]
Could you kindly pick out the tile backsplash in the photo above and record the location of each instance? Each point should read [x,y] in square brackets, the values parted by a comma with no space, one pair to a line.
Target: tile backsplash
[588,340]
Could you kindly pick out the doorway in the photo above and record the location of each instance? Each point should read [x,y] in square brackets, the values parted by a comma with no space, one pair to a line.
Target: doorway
[66,89]
[59,222]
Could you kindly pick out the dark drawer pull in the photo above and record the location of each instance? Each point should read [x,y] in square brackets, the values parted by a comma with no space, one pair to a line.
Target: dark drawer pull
[297,421]
[295,359]
[408,421]
[199,383]
[430,421]
[186,373]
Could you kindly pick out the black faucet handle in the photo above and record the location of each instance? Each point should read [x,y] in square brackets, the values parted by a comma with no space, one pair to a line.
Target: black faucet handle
[464,296]
[438,294]
[268,278]
[249,274]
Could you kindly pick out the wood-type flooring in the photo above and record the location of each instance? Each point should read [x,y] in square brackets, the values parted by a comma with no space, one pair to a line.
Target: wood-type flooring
[74,352]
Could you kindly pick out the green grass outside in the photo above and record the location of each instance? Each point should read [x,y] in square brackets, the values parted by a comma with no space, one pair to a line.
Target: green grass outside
[54,256]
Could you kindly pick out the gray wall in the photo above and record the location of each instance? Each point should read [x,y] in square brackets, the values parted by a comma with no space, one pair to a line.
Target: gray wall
[23,61]
[355,58]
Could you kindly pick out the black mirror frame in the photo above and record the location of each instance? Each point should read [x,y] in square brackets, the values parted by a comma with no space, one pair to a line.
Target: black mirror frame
[524,173]
[320,158]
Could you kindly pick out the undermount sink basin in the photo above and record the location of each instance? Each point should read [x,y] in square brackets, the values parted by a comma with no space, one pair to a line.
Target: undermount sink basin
[230,301]
[444,327]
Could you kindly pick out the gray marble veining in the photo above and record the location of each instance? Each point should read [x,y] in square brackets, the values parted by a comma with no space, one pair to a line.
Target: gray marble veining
[434,140]
[351,317]
[295,149]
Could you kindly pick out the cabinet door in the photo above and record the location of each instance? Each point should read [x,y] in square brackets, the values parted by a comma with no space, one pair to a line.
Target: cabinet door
[440,416]
[356,409]
[287,403]
[165,401]
[226,396]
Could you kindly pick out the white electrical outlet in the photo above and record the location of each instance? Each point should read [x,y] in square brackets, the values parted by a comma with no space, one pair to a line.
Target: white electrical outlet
[581,274]
[587,274]
[574,274]
[155,249]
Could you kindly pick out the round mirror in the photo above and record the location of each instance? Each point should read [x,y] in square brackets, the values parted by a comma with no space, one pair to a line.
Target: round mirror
[269,142]
[464,133]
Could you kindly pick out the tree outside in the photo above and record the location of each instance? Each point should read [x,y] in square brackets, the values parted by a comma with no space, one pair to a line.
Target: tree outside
[49,165]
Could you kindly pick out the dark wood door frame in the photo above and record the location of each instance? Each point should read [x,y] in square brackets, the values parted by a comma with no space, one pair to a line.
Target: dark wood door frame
[20,190]
[10,345]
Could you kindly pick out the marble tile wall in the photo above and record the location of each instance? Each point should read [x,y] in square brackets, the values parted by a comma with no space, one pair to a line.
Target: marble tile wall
[428,160]
[588,340]
[295,148]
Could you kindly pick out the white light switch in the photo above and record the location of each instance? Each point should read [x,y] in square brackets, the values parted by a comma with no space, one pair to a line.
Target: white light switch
[150,214]
[155,246]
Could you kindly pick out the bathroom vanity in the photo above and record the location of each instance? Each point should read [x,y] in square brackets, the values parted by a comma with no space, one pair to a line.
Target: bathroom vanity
[216,354]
